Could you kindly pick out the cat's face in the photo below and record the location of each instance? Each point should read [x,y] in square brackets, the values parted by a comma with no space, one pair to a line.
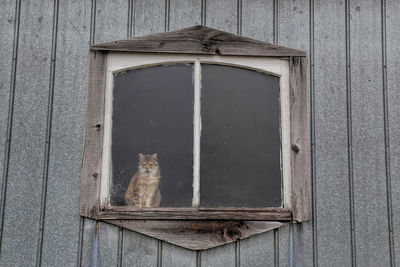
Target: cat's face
[148,164]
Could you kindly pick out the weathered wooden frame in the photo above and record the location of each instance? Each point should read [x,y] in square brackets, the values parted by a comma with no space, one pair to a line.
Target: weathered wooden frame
[198,41]
[120,62]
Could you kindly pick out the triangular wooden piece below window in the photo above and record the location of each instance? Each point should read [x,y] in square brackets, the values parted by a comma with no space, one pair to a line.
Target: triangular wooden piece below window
[197,235]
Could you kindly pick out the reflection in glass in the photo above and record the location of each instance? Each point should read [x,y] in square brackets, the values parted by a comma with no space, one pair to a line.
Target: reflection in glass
[240,139]
[152,137]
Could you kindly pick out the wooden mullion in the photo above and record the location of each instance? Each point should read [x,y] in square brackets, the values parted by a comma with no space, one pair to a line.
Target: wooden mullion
[196,134]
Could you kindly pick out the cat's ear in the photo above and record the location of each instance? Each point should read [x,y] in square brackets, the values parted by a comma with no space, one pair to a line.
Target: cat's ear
[154,156]
[141,156]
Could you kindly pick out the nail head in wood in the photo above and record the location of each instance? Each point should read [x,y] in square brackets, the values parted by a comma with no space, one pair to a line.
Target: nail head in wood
[295,148]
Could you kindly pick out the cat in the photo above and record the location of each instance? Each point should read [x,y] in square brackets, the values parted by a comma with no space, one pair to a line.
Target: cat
[143,188]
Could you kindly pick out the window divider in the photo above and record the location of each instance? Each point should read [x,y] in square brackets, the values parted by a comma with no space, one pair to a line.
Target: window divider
[196,134]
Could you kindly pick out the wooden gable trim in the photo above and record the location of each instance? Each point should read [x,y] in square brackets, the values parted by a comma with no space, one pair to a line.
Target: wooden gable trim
[199,40]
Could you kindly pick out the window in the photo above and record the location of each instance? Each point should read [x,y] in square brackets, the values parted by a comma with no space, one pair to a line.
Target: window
[179,126]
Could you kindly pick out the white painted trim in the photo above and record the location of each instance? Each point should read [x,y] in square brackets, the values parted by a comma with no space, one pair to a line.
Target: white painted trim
[117,62]
[285,135]
[106,172]
[196,134]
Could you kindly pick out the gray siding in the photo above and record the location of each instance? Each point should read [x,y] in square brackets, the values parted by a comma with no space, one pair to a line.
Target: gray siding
[354,56]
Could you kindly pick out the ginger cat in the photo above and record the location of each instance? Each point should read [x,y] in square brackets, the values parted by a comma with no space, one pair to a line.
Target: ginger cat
[143,188]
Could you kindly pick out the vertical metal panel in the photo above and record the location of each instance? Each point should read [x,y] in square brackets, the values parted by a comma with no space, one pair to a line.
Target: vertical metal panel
[184,13]
[61,234]
[370,206]
[7,22]
[22,210]
[88,241]
[284,247]
[111,20]
[66,145]
[258,19]
[219,256]
[294,25]
[258,250]
[149,16]
[330,109]
[139,250]
[222,15]
[107,245]
[393,95]
[173,256]
[294,31]
[5,146]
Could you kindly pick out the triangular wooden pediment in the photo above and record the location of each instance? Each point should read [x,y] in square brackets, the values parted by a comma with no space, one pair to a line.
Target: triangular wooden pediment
[199,40]
[197,235]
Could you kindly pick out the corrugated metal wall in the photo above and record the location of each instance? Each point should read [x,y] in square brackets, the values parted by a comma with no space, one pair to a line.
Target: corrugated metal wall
[354,54]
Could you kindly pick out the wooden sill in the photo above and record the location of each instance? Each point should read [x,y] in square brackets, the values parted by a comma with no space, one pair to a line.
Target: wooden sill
[254,214]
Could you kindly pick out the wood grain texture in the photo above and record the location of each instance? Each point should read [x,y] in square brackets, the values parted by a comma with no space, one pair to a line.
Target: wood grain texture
[197,235]
[91,168]
[300,140]
[199,40]
[268,214]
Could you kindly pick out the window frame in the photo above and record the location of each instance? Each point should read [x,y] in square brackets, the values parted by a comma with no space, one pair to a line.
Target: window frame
[118,62]
[115,62]
[225,49]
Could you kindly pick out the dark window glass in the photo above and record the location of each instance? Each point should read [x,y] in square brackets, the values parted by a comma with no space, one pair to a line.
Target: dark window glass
[240,139]
[153,113]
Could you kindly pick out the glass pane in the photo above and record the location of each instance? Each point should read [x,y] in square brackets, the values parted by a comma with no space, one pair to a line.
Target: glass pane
[153,115]
[240,139]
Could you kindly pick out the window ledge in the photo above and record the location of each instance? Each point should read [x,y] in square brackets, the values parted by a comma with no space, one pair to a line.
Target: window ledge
[235,214]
